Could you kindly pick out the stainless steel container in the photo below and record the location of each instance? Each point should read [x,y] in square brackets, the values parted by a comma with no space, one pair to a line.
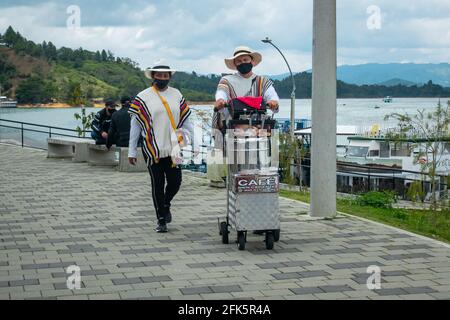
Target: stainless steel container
[247,154]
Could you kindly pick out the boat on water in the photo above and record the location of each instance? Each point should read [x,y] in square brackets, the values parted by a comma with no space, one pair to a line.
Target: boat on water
[7,103]
[387,99]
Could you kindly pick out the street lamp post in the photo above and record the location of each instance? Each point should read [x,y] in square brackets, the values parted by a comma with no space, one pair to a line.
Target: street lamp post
[267,40]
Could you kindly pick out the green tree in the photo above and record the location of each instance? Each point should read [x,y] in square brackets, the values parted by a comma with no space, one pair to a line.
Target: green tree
[98,56]
[51,52]
[78,99]
[35,89]
[291,152]
[416,191]
[104,55]
[10,37]
[86,121]
[65,54]
[44,50]
[110,56]
[74,94]
[7,71]
[429,133]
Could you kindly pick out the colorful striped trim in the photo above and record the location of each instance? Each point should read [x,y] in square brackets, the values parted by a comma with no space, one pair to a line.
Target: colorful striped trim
[185,112]
[143,116]
[224,84]
[150,134]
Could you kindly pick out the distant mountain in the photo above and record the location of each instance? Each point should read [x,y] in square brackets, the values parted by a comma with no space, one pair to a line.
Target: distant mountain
[396,82]
[375,73]
[280,76]
[303,82]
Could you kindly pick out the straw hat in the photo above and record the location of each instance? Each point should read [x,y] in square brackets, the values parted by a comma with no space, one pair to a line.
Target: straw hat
[159,67]
[243,51]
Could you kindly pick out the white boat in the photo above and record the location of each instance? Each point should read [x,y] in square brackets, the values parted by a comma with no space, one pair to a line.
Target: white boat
[7,103]
[387,99]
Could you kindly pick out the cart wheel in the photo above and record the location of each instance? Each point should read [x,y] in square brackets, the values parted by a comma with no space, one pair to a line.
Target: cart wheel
[224,232]
[269,240]
[241,240]
[276,235]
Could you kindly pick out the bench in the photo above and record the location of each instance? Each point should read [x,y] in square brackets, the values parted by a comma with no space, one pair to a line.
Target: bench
[125,166]
[67,147]
[99,155]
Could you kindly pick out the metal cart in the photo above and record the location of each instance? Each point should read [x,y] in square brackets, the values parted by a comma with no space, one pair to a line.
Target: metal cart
[253,178]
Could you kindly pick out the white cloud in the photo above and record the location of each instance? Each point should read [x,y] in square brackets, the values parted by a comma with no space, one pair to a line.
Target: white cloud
[198,35]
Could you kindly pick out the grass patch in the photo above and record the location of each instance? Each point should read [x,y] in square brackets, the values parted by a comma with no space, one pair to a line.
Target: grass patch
[435,225]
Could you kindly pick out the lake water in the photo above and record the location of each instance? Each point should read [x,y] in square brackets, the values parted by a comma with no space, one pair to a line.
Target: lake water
[349,111]
[358,112]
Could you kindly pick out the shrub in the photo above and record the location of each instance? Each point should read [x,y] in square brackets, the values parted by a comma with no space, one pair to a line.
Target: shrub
[377,199]
[416,191]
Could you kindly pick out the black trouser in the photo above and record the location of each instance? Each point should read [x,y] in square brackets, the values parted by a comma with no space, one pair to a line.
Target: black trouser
[159,173]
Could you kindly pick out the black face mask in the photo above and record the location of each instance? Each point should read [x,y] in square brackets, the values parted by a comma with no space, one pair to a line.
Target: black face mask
[245,68]
[161,84]
[111,111]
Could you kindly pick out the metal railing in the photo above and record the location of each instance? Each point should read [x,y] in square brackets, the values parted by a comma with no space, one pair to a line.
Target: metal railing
[365,178]
[368,178]
[32,141]
[51,131]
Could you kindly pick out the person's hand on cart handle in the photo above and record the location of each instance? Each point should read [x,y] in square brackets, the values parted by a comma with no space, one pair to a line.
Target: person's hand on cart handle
[219,105]
[273,105]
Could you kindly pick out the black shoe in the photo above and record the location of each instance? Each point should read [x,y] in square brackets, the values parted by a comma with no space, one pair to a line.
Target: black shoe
[161,228]
[168,215]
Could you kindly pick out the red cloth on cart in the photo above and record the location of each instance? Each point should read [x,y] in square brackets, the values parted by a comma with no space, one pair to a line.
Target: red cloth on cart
[253,102]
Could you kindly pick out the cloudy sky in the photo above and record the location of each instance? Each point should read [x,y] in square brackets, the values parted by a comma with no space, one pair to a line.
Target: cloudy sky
[198,34]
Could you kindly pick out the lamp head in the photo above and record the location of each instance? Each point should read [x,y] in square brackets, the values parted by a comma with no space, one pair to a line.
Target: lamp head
[266,40]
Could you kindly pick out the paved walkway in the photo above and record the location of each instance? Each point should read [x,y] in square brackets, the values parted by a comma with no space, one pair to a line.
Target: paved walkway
[55,213]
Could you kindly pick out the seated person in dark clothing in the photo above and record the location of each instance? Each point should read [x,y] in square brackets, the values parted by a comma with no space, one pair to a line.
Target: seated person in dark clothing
[119,131]
[101,123]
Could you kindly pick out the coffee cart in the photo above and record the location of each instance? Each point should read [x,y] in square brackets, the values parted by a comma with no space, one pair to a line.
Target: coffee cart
[251,153]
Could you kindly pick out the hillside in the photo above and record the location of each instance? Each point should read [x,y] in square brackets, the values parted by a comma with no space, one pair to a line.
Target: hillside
[62,76]
[21,66]
[396,82]
[40,73]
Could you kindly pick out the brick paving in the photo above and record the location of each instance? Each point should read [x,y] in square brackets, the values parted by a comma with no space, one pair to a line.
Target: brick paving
[55,214]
